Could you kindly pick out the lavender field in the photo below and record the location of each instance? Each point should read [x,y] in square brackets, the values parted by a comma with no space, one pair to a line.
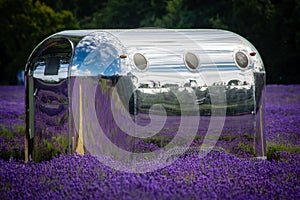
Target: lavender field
[219,175]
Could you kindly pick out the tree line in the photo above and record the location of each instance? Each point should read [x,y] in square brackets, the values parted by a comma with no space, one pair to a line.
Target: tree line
[272,26]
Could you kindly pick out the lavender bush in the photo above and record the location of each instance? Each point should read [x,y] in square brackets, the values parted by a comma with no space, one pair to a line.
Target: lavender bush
[12,122]
[217,176]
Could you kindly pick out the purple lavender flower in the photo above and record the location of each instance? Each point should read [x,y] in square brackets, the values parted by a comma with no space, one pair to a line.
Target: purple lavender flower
[217,176]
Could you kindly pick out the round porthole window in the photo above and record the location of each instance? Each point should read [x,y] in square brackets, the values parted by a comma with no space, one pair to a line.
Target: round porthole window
[140,61]
[242,60]
[191,61]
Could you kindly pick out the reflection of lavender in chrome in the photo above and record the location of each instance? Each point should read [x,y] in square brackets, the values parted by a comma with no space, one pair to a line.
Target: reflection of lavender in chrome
[281,106]
[103,137]
[51,119]
[121,91]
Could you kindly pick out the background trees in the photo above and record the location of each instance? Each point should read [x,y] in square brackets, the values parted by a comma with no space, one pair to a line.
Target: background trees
[23,24]
[273,26]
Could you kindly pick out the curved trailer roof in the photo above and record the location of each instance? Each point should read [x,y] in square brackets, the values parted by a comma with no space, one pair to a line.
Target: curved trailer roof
[164,49]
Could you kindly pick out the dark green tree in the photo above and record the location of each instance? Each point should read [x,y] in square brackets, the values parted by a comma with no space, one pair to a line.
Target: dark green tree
[273,26]
[23,24]
[126,14]
[284,42]
[178,15]
[195,14]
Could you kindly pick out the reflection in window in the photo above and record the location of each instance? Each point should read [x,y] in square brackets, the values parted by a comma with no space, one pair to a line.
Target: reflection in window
[53,60]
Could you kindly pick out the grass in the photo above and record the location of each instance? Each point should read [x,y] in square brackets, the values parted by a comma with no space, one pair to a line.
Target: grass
[274,148]
[161,141]
[12,132]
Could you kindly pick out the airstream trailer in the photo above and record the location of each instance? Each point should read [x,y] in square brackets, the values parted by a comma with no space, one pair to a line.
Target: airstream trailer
[123,93]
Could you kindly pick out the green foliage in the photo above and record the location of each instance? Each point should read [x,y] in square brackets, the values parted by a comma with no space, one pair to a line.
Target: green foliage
[13,131]
[23,24]
[19,130]
[12,153]
[123,14]
[272,26]
[62,142]
[274,148]
[4,132]
[177,16]
[247,148]
[160,141]
[50,148]
[9,136]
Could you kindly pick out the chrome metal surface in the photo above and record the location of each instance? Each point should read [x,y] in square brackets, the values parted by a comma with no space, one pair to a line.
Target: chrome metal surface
[47,99]
[191,92]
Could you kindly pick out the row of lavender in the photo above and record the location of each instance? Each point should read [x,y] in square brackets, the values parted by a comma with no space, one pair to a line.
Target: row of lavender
[218,175]
[12,121]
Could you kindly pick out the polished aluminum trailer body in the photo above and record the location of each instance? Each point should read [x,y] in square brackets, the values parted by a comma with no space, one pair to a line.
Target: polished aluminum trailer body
[109,92]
